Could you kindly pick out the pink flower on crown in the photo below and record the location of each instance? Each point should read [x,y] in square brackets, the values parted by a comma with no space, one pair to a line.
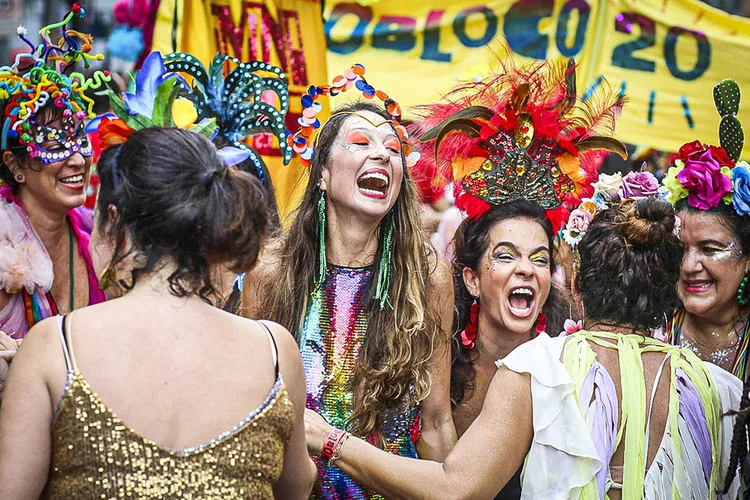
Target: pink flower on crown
[704,179]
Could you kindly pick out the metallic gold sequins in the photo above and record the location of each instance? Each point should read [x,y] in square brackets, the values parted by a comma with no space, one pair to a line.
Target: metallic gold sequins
[95,455]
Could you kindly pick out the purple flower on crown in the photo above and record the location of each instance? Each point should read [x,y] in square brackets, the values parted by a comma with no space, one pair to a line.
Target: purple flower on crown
[638,185]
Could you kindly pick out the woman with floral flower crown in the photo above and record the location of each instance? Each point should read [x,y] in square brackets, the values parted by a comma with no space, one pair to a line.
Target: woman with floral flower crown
[45,267]
[607,412]
[710,190]
[355,281]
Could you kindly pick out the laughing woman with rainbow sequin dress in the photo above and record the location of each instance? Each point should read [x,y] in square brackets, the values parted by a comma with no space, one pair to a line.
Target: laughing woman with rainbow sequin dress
[45,267]
[711,191]
[356,284]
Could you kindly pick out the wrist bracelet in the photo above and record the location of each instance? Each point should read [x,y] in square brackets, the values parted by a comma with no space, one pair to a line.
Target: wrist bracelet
[339,448]
[331,443]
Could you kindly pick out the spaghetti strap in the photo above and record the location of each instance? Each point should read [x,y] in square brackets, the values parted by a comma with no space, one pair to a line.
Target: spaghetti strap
[64,342]
[68,334]
[274,349]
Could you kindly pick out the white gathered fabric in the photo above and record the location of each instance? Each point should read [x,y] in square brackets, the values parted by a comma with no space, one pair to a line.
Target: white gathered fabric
[562,458]
[565,456]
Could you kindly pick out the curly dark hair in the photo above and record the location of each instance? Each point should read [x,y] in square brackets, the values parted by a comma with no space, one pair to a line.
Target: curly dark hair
[176,200]
[471,242]
[629,264]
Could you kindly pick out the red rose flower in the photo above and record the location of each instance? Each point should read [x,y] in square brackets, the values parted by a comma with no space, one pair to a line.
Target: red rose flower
[689,148]
[721,156]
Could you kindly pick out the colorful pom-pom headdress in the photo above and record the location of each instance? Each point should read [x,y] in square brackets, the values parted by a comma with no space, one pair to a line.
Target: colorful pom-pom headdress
[40,76]
[710,175]
[521,134]
[302,141]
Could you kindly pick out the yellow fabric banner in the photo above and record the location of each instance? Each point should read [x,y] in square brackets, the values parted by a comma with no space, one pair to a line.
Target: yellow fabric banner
[665,54]
[285,33]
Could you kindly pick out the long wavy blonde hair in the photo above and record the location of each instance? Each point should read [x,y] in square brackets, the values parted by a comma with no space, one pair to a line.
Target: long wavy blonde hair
[392,364]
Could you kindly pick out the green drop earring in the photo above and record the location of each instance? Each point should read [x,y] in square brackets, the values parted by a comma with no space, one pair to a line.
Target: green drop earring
[382,288]
[321,240]
[741,297]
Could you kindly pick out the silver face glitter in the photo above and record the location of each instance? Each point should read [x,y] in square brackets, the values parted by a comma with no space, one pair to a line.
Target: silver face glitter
[732,252]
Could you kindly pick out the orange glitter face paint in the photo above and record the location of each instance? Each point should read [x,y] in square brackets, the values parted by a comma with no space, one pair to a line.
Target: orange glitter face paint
[357,138]
[393,144]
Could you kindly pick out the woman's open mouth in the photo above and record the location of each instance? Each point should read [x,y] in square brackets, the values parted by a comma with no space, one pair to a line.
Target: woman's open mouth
[374,183]
[521,302]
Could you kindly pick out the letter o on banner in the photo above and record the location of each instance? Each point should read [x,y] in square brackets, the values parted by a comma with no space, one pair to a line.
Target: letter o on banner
[584,11]
[355,40]
[459,27]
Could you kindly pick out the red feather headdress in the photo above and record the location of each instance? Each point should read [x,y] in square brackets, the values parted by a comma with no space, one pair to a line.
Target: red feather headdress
[522,134]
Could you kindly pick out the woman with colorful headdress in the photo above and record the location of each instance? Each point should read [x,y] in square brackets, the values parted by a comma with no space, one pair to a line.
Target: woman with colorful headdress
[708,186]
[574,409]
[45,267]
[356,283]
[515,147]
[79,421]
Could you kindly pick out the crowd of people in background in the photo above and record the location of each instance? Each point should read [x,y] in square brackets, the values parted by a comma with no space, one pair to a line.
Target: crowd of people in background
[554,332]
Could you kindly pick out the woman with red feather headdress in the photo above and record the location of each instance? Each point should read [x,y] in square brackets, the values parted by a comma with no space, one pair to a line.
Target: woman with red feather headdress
[518,141]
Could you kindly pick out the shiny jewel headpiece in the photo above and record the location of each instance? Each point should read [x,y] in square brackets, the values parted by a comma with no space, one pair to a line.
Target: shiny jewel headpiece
[521,134]
[149,106]
[302,141]
[38,77]
[710,175]
[237,101]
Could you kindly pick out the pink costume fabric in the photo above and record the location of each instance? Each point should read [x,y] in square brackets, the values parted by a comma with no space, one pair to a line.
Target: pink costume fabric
[26,269]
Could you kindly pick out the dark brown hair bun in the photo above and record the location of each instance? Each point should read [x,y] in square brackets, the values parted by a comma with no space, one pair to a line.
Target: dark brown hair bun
[648,221]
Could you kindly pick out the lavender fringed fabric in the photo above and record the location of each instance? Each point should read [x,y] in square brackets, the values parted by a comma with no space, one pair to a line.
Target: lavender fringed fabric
[578,426]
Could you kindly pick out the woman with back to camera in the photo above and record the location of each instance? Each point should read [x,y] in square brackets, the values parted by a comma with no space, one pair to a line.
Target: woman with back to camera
[712,197]
[605,411]
[355,282]
[132,414]
[45,267]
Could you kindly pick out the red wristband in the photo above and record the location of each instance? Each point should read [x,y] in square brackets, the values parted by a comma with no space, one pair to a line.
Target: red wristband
[331,442]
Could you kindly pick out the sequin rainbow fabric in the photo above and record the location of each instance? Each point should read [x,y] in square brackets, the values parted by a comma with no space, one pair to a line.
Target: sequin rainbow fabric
[332,335]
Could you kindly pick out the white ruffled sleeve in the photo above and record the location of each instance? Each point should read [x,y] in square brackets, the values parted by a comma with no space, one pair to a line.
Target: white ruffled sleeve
[563,458]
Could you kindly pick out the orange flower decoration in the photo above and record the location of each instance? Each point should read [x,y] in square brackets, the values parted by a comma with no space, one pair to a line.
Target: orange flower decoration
[113,132]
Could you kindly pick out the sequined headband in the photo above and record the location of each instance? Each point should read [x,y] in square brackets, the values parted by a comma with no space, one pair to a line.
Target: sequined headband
[302,142]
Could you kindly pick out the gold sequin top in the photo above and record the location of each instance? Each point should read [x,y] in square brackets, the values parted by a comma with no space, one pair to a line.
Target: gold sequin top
[96,455]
